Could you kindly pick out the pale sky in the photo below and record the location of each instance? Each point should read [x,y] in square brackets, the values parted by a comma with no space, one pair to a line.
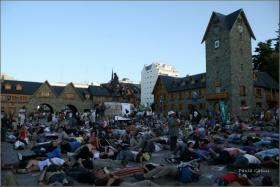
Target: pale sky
[73,41]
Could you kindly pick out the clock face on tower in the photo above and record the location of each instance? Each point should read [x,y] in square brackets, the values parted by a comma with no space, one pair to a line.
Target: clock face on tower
[240,28]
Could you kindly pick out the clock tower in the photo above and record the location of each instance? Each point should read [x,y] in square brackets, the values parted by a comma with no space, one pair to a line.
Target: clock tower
[229,63]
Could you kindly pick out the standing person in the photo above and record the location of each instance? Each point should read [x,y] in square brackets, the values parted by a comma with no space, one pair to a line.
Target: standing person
[21,116]
[93,116]
[4,125]
[173,129]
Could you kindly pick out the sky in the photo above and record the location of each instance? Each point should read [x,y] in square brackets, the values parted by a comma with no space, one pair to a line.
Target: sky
[82,41]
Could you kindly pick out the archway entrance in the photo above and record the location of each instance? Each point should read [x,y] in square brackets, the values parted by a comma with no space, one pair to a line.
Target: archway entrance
[44,107]
[71,108]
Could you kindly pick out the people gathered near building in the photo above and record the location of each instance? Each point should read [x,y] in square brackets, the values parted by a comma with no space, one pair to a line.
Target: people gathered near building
[91,148]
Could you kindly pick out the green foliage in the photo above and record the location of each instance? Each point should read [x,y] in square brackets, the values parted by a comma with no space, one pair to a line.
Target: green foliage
[267,57]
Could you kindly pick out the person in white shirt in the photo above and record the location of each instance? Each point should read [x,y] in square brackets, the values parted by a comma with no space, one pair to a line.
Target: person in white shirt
[35,165]
[252,159]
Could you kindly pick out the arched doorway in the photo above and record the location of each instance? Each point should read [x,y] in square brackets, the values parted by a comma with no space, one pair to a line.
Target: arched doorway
[44,107]
[71,108]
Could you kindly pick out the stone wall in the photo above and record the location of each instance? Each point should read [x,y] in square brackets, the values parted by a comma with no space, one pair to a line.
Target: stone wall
[241,69]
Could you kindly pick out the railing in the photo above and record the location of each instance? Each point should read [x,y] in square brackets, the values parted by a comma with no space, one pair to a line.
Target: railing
[223,95]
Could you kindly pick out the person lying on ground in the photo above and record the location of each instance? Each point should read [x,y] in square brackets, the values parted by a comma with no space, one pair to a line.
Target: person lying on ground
[192,168]
[103,178]
[84,152]
[37,165]
[233,179]
[53,176]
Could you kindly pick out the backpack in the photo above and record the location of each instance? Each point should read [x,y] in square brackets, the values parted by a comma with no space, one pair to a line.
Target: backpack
[185,175]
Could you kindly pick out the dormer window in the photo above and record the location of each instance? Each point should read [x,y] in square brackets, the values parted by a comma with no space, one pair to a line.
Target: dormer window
[87,96]
[217,44]
[8,86]
[18,87]
[193,81]
[203,78]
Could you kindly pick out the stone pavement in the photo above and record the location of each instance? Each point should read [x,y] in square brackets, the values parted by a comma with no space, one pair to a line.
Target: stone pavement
[209,173]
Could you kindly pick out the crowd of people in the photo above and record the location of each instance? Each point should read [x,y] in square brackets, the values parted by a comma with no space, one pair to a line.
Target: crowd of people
[94,149]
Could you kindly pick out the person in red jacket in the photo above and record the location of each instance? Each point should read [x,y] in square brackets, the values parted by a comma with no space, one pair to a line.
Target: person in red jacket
[22,135]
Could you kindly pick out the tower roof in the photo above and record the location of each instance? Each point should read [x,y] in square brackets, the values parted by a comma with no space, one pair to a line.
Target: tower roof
[228,21]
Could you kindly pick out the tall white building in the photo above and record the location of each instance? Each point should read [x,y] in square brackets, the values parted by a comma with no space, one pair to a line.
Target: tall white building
[149,77]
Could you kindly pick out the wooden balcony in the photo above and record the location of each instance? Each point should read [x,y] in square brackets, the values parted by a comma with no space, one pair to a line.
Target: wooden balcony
[217,96]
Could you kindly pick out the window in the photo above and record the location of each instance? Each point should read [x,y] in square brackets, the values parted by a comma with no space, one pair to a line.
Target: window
[241,67]
[202,92]
[242,91]
[203,78]
[45,94]
[217,74]
[172,96]
[217,59]
[243,103]
[193,81]
[218,89]
[216,29]
[240,28]
[3,98]
[14,98]
[258,92]
[239,20]
[217,44]
[241,51]
[189,94]
[259,105]
[8,86]
[87,96]
[180,96]
[189,107]
[180,106]
[18,87]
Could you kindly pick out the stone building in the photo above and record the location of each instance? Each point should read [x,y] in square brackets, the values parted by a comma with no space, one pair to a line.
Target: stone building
[36,95]
[229,76]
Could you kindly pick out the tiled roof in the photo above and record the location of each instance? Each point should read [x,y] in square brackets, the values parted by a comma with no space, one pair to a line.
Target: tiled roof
[99,91]
[58,89]
[83,91]
[28,88]
[228,21]
[265,80]
[173,84]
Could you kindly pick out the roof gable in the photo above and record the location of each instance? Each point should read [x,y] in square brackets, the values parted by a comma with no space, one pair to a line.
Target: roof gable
[43,88]
[159,81]
[70,91]
[232,18]
[228,21]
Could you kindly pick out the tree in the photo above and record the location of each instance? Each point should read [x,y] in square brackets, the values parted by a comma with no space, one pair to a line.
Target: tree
[267,57]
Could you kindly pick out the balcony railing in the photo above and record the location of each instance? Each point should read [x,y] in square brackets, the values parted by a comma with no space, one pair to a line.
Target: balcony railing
[216,96]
